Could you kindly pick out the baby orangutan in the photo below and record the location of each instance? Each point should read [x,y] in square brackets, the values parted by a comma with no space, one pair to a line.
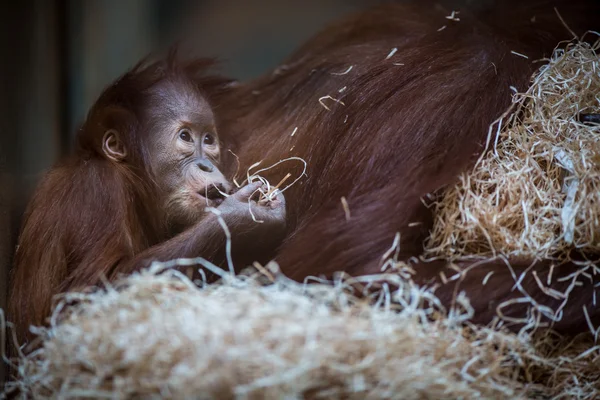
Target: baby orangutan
[137,188]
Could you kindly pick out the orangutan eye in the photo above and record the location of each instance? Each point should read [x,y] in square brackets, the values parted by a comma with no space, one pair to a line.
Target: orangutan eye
[185,135]
[209,139]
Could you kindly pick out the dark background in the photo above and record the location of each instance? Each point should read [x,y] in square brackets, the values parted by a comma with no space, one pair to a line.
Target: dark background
[57,55]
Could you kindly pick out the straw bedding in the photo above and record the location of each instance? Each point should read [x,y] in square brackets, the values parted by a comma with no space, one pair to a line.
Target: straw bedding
[156,334]
[262,336]
[536,192]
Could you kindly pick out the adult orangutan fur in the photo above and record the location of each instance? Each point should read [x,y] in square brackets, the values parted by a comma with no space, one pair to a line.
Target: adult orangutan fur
[387,107]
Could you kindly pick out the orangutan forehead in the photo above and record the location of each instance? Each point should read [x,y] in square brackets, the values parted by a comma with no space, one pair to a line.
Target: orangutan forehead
[178,100]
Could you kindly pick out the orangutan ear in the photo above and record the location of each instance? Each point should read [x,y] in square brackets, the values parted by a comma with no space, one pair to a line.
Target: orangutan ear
[113,146]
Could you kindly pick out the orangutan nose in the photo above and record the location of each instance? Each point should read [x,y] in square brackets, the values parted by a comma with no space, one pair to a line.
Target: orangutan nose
[205,165]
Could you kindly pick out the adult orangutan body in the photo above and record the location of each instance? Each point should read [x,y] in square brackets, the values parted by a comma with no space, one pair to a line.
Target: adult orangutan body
[387,107]
[136,190]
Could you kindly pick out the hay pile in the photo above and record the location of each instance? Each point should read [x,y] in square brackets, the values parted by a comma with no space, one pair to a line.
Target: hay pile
[260,335]
[536,193]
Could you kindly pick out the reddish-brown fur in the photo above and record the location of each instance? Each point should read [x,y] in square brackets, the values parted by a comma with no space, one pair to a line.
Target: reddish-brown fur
[403,131]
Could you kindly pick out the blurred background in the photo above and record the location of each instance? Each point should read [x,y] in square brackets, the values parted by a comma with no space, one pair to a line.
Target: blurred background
[57,55]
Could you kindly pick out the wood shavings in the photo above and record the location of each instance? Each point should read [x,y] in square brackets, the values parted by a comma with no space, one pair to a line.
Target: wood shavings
[569,211]
[518,54]
[391,54]
[594,331]
[266,196]
[281,182]
[346,208]
[270,192]
[536,192]
[391,254]
[574,35]
[328,97]
[228,257]
[487,277]
[453,16]
[495,68]
[443,278]
[262,335]
[255,176]
[343,73]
